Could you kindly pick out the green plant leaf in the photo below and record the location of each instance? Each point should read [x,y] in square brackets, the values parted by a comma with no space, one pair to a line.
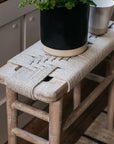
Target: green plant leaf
[51,4]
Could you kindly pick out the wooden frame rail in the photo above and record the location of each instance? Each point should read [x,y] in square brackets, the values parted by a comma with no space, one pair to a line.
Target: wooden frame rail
[29,137]
[31,110]
[95,77]
[88,101]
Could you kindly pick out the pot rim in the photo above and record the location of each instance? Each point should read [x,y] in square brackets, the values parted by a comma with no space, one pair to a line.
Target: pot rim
[102,7]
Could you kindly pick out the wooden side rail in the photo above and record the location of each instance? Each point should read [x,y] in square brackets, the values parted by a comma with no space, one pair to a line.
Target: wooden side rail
[77,89]
[31,110]
[29,137]
[88,101]
[95,77]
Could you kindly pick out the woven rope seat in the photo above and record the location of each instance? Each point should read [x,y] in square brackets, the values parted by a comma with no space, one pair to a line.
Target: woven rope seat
[40,76]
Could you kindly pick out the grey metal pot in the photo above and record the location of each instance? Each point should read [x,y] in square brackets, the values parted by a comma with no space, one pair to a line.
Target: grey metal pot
[99,19]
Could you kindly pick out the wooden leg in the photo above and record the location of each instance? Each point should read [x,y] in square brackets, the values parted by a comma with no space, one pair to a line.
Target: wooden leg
[77,95]
[55,115]
[11,115]
[110,65]
[110,123]
[111,108]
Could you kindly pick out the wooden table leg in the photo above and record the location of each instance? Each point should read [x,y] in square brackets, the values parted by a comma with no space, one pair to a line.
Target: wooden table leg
[77,95]
[55,121]
[11,115]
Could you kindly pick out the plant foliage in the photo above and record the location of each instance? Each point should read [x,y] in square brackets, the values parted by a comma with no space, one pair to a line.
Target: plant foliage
[51,4]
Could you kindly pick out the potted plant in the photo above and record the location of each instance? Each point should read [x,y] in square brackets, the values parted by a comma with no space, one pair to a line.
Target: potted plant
[64,25]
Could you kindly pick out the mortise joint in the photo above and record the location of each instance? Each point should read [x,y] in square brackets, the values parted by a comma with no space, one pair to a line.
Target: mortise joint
[48,78]
[17,68]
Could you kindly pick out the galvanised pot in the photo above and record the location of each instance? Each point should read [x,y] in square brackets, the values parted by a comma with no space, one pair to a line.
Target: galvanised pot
[100,16]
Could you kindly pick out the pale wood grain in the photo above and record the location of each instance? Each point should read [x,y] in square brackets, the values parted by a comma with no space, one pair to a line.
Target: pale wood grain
[29,137]
[31,110]
[99,131]
[84,140]
[11,115]
[94,77]
[76,95]
[55,115]
[88,101]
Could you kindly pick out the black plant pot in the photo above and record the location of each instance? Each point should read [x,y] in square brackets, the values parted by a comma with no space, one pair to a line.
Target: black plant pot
[64,32]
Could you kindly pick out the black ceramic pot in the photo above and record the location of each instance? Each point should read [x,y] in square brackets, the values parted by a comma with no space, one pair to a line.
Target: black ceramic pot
[64,32]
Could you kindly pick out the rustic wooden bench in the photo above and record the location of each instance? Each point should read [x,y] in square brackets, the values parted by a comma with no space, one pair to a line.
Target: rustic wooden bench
[39,76]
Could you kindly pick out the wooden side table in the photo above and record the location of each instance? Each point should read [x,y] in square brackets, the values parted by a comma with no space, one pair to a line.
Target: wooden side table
[39,76]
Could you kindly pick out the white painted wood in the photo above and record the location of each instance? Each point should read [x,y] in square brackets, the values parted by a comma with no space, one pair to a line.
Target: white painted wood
[9,11]
[32,27]
[9,45]
[9,41]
